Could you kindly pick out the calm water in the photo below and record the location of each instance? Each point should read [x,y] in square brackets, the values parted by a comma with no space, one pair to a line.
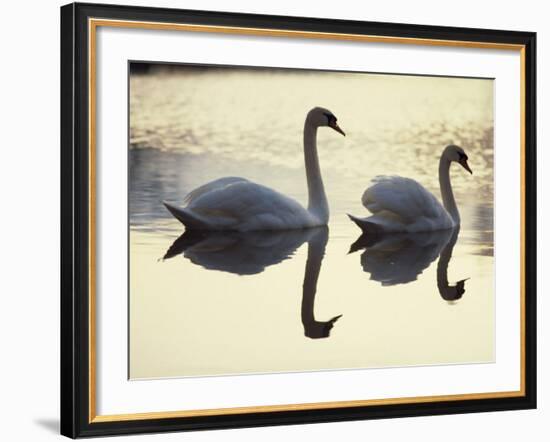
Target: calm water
[318,299]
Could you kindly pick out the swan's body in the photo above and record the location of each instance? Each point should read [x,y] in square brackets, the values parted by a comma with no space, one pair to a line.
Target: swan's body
[234,203]
[403,205]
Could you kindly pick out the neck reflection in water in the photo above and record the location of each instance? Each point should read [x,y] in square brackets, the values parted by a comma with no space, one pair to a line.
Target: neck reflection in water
[250,253]
[399,258]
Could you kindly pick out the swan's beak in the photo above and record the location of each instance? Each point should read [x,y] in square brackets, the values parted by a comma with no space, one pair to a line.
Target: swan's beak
[337,128]
[464,163]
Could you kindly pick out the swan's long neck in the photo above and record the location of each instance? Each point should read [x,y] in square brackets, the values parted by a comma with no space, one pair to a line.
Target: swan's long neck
[446,190]
[318,204]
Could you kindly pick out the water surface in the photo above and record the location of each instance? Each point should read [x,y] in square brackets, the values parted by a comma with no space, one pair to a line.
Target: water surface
[211,304]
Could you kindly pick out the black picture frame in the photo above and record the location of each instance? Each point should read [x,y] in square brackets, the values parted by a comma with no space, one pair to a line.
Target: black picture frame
[75,220]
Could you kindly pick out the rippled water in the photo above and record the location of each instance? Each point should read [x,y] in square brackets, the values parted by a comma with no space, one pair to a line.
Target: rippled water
[318,299]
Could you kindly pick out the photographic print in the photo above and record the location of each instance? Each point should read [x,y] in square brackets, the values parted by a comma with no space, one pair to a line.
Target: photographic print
[273,220]
[285,220]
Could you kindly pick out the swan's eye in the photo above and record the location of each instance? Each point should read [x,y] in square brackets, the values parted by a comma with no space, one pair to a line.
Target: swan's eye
[331,118]
[462,156]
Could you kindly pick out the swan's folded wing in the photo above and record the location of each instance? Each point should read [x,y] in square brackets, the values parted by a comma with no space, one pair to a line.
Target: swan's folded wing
[246,206]
[402,198]
[211,186]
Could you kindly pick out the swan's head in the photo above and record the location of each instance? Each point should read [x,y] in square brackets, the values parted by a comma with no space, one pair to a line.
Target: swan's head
[319,116]
[457,154]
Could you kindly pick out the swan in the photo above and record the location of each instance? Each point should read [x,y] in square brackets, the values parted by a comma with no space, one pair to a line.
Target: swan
[403,205]
[234,203]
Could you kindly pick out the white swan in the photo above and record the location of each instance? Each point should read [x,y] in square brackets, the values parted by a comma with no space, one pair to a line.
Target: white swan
[233,203]
[403,205]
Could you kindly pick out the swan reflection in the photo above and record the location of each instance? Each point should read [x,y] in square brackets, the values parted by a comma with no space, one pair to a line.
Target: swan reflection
[449,292]
[241,253]
[250,253]
[317,244]
[399,258]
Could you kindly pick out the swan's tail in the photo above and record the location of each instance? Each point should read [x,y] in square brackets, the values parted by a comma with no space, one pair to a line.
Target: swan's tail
[365,225]
[185,217]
